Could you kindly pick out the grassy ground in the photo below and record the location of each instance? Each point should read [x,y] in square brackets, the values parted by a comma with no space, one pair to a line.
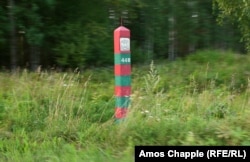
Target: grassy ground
[203,99]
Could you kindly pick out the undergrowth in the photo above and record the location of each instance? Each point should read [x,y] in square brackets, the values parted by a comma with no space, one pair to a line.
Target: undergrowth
[200,100]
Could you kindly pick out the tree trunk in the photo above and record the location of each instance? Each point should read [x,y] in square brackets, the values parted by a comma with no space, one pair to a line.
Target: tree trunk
[171,33]
[171,39]
[13,37]
[34,57]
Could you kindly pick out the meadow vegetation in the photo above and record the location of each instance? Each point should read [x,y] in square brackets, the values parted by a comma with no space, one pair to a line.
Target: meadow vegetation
[203,99]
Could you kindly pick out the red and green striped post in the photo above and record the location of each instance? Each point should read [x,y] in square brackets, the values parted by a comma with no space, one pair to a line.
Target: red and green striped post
[122,71]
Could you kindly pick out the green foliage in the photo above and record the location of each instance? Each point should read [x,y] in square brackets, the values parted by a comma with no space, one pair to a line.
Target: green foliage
[50,116]
[212,57]
[102,52]
[79,33]
[71,51]
[29,20]
[237,12]
[2,27]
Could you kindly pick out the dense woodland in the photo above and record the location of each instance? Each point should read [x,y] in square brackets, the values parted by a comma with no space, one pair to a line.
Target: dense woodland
[79,33]
[190,77]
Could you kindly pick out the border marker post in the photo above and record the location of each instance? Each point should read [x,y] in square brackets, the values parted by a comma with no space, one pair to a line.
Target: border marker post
[122,71]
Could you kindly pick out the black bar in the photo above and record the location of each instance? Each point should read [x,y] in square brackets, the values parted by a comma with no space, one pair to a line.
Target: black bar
[191,153]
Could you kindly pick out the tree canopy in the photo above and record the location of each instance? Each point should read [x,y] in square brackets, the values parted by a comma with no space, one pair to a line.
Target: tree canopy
[79,33]
[239,13]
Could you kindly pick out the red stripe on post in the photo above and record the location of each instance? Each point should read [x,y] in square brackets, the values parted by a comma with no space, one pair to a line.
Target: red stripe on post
[123,69]
[122,91]
[120,113]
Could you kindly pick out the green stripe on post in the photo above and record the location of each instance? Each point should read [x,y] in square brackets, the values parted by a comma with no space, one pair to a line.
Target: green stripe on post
[123,80]
[122,59]
[122,102]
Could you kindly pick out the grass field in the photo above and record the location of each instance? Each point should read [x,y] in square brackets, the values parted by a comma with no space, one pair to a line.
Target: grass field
[203,99]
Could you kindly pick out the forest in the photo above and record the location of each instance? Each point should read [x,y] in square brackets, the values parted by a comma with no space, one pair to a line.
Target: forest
[190,78]
[79,33]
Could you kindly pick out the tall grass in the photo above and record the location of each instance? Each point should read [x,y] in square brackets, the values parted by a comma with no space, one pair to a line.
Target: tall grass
[50,116]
